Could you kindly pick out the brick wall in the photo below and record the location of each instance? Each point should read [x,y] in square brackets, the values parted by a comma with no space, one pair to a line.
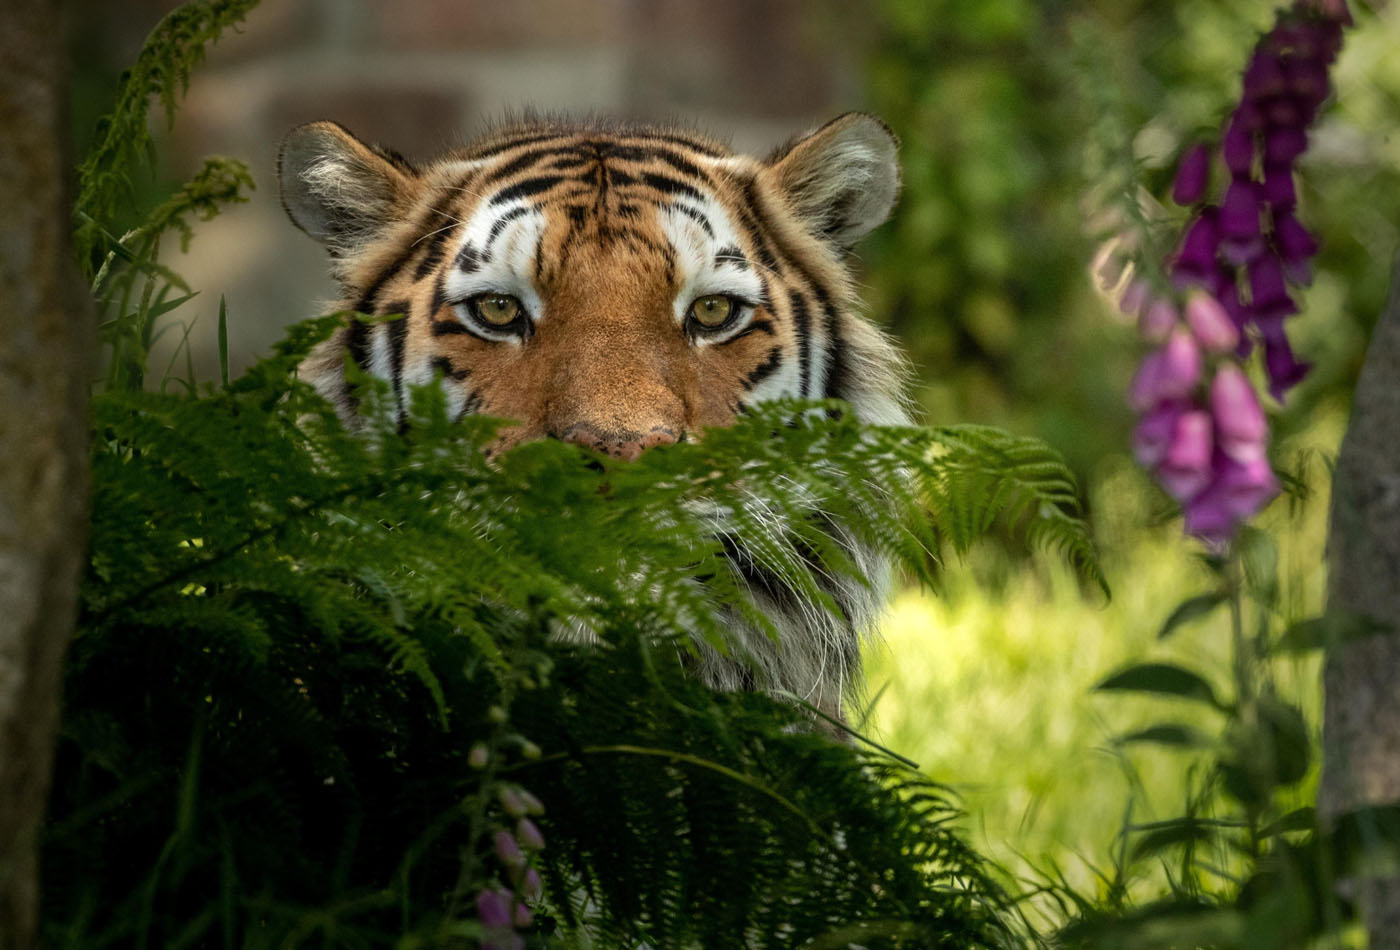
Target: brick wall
[420,75]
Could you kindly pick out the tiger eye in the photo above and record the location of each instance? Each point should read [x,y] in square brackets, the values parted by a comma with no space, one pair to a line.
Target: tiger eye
[499,310]
[711,311]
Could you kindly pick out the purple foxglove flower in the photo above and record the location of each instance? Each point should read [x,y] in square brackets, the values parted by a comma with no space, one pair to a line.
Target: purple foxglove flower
[1153,433]
[1237,145]
[1295,246]
[1157,319]
[530,887]
[1244,487]
[522,917]
[1192,176]
[508,849]
[1264,77]
[529,835]
[1210,323]
[1195,261]
[478,756]
[1241,430]
[1207,519]
[493,908]
[1240,237]
[1186,469]
[1283,368]
[1236,494]
[1167,373]
[1278,188]
[1269,297]
[1282,144]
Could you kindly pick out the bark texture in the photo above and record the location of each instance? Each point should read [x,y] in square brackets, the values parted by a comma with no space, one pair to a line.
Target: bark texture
[46,351]
[1362,717]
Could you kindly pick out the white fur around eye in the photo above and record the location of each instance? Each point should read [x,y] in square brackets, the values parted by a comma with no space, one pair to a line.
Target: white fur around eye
[502,263]
[698,232]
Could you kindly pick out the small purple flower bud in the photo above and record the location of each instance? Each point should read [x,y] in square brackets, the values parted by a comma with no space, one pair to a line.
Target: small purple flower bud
[1195,261]
[1237,145]
[508,849]
[1240,426]
[1212,326]
[523,917]
[1295,246]
[1269,297]
[529,835]
[1284,111]
[1134,296]
[1264,77]
[493,908]
[478,756]
[1278,187]
[533,806]
[511,801]
[1192,175]
[530,887]
[1240,237]
[1154,433]
[1283,368]
[1282,144]
[1186,469]
[1307,79]
[1335,10]
[1157,319]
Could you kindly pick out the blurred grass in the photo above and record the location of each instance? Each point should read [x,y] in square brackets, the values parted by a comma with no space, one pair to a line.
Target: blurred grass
[988,682]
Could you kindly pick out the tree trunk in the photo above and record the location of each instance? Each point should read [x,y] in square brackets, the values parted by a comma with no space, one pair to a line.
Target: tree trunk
[1361,725]
[46,352]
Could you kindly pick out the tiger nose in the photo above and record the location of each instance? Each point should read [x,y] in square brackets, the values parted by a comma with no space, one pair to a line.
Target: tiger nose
[620,444]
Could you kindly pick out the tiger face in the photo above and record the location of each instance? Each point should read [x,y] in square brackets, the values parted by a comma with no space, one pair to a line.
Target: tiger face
[615,286]
[621,287]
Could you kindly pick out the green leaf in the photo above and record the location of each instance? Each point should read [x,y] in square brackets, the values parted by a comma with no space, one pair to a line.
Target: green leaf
[1299,819]
[1170,734]
[1170,834]
[1192,609]
[1329,631]
[1165,679]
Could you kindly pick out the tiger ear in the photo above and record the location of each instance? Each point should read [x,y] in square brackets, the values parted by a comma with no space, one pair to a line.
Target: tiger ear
[335,187]
[843,178]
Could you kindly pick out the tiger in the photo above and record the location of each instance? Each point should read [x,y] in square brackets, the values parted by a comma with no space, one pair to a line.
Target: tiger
[622,286]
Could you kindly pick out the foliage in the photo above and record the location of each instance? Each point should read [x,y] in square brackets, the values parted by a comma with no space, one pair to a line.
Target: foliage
[315,671]
[291,638]
[133,289]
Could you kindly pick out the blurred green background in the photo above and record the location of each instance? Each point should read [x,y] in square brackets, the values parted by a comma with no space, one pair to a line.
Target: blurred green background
[1010,113]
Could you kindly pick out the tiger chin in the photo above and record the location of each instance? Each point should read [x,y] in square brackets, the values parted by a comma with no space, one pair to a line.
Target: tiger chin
[621,287]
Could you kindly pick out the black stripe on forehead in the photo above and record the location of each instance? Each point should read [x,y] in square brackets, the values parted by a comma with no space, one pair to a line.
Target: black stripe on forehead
[527,188]
[529,159]
[696,215]
[499,225]
[731,254]
[670,186]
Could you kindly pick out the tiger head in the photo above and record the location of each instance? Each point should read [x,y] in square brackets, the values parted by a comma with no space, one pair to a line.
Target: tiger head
[616,286]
